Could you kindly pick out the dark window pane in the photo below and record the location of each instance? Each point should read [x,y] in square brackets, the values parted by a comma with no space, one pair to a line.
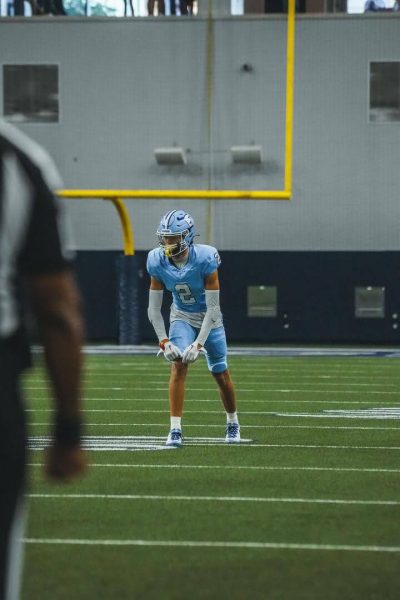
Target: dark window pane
[261,301]
[369,302]
[30,93]
[384,96]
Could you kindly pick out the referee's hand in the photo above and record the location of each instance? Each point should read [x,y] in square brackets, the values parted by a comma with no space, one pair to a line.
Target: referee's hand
[65,463]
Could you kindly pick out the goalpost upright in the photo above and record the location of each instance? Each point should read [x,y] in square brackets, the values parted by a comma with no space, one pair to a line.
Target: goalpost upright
[128,289]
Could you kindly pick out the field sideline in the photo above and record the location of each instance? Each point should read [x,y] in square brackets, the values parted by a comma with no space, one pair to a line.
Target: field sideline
[307,508]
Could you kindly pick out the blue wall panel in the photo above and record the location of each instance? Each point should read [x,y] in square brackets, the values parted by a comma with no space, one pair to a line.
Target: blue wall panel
[96,273]
[315,295]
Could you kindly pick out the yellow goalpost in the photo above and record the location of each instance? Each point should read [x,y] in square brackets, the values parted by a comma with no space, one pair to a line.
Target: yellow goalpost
[117,196]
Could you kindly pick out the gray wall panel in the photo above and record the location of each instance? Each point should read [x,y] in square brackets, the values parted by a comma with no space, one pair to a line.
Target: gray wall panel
[128,86]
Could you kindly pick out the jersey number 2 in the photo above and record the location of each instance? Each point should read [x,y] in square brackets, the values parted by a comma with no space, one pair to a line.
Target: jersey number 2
[185,293]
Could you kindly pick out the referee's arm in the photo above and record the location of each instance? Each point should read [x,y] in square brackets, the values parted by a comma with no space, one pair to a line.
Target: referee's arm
[56,303]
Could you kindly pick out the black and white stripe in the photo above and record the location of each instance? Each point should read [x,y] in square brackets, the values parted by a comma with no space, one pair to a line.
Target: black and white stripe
[16,207]
[27,178]
[16,141]
[168,217]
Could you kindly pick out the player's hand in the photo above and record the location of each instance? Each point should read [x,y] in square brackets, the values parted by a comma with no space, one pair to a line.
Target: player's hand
[171,352]
[191,353]
[65,463]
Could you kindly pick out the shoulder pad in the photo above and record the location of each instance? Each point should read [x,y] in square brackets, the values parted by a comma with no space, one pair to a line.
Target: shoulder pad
[153,260]
[209,257]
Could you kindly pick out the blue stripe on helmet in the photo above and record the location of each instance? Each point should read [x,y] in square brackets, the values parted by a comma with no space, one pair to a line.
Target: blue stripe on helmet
[169,217]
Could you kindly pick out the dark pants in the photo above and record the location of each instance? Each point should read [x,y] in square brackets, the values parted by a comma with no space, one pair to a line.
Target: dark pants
[12,457]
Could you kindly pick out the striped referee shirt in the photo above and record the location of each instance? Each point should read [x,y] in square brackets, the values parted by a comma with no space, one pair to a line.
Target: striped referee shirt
[30,228]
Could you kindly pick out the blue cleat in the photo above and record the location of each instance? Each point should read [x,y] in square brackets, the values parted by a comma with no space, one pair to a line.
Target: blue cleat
[232,433]
[174,438]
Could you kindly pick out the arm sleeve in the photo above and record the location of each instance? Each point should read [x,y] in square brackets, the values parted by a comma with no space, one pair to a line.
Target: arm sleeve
[154,313]
[213,313]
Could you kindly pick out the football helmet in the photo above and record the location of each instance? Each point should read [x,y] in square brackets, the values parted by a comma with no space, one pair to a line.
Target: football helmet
[175,232]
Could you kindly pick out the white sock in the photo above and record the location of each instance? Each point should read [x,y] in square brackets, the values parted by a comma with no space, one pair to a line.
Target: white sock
[176,422]
[232,417]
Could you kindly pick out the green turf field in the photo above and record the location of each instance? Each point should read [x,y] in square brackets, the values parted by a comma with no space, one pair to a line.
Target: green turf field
[309,510]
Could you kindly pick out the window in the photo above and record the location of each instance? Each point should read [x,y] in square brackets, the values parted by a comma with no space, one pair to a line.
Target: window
[369,302]
[30,93]
[358,6]
[261,301]
[384,92]
[121,8]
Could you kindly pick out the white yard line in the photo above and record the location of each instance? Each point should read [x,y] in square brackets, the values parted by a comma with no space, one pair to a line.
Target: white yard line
[252,445]
[233,467]
[123,442]
[165,410]
[242,412]
[369,369]
[254,499]
[382,380]
[207,426]
[250,363]
[298,380]
[238,389]
[213,544]
[311,446]
[217,400]
[325,415]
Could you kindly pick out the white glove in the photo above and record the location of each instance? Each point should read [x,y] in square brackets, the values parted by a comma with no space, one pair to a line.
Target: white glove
[171,352]
[191,353]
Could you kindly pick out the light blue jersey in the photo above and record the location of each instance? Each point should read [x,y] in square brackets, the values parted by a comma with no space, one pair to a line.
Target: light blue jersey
[187,283]
[189,304]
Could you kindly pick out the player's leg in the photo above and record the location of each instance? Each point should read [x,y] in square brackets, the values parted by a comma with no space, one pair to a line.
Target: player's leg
[218,366]
[226,390]
[181,334]
[177,382]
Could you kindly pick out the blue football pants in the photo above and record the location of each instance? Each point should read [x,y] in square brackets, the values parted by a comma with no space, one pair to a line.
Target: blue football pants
[182,334]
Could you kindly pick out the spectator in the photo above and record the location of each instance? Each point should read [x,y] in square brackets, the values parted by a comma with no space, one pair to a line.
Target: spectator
[374,6]
[126,8]
[19,7]
[160,7]
[185,7]
[51,7]
[31,252]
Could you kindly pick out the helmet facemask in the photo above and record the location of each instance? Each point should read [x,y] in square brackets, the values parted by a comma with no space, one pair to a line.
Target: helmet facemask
[173,244]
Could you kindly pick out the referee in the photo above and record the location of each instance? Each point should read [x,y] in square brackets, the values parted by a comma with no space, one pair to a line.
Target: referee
[32,254]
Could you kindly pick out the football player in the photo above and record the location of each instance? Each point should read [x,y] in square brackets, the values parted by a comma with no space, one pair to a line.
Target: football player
[190,272]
